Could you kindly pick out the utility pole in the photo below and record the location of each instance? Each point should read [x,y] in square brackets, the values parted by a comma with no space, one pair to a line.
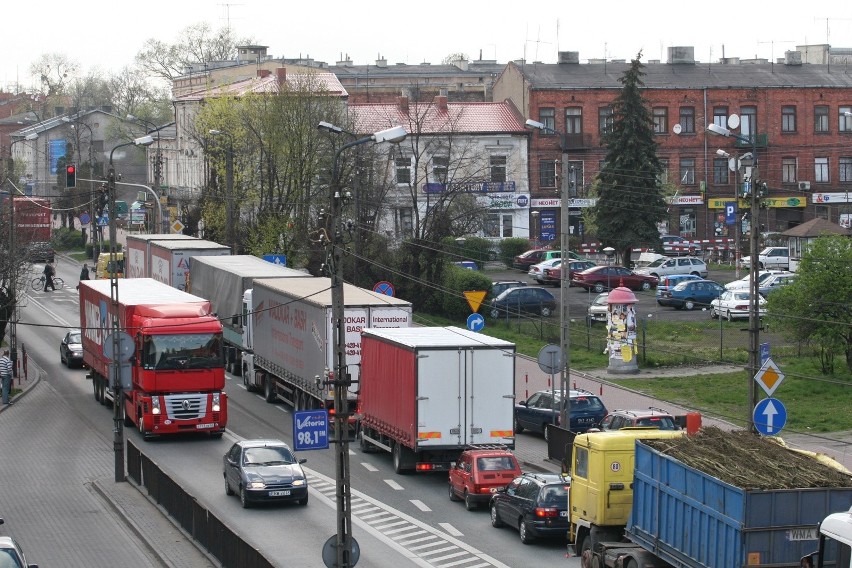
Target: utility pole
[118,392]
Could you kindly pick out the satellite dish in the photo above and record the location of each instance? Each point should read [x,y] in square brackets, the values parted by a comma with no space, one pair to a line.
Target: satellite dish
[733,121]
[677,128]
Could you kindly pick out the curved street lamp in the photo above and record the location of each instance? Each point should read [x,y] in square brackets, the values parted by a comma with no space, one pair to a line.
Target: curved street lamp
[158,160]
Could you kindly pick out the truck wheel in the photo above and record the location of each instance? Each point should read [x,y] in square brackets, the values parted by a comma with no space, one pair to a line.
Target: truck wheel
[399,465]
[142,431]
[95,388]
[585,552]
[127,421]
[249,387]
[268,389]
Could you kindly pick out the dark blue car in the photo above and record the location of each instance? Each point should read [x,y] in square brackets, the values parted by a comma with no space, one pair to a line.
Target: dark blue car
[669,282]
[692,294]
[544,407]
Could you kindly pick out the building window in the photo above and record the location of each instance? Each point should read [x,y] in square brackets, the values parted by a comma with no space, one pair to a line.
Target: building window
[821,119]
[664,171]
[845,119]
[845,170]
[605,119]
[547,116]
[687,171]
[495,222]
[720,171]
[788,170]
[440,166]
[507,225]
[661,120]
[547,173]
[788,119]
[748,121]
[573,120]
[575,178]
[403,171]
[687,120]
[498,169]
[720,116]
[405,222]
[821,170]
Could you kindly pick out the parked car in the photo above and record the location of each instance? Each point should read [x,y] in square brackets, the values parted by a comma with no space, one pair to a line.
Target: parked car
[264,470]
[501,286]
[734,304]
[40,252]
[770,257]
[553,275]
[543,408]
[599,308]
[743,283]
[774,282]
[675,245]
[536,271]
[71,348]
[12,555]
[682,265]
[668,282]
[647,418]
[478,474]
[524,261]
[517,301]
[534,503]
[691,294]
[600,278]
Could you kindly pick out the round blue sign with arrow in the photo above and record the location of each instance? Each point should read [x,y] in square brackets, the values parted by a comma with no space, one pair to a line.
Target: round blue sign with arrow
[769,416]
[475,322]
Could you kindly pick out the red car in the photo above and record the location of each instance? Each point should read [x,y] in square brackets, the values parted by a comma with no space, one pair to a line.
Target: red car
[601,278]
[553,276]
[478,474]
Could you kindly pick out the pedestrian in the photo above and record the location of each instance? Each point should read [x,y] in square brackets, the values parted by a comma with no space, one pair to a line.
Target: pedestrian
[6,375]
[48,277]
[84,274]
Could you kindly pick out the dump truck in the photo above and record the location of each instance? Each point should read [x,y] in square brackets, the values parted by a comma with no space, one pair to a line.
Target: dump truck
[289,337]
[633,503]
[173,381]
[428,393]
[224,281]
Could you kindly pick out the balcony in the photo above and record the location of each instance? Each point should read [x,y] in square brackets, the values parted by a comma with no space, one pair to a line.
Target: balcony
[762,142]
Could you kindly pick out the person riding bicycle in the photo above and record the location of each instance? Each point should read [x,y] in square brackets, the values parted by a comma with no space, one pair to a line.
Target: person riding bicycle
[48,277]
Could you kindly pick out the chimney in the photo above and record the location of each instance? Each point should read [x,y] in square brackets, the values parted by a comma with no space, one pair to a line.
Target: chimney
[381,62]
[261,73]
[569,57]
[792,57]
[441,102]
[403,104]
[282,75]
[461,63]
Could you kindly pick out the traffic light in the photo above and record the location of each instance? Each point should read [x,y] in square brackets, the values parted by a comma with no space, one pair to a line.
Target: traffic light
[70,176]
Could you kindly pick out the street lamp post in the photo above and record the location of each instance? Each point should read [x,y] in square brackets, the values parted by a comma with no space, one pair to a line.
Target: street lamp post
[736,158]
[118,391]
[158,161]
[340,380]
[564,280]
[535,215]
[229,187]
[753,314]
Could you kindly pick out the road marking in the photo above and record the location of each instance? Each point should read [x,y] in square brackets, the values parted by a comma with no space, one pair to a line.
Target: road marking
[451,529]
[394,485]
[369,466]
[420,505]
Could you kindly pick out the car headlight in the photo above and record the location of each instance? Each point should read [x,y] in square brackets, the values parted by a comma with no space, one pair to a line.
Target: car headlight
[256,485]
[216,405]
[298,482]
[155,405]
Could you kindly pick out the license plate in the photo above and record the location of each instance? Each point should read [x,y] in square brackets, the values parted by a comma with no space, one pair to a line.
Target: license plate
[279,493]
[563,513]
[203,426]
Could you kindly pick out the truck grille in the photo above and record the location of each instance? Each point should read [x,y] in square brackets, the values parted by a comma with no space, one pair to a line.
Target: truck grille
[186,406]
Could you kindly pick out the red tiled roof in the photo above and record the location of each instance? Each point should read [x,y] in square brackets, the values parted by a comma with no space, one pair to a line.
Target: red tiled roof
[429,118]
[320,80]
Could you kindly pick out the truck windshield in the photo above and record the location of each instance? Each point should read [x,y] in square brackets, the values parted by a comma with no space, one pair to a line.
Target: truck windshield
[182,351]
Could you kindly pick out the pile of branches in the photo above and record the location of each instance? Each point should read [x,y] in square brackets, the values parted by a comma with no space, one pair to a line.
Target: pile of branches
[748,461]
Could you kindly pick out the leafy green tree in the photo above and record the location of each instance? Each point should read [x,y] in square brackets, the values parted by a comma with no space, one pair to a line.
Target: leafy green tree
[630,200]
[816,308]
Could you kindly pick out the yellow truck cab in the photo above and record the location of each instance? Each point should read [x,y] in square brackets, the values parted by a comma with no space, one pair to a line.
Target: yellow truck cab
[601,494]
[104,268]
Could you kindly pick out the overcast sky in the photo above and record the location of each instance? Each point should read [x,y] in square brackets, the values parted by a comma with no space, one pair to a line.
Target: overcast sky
[106,35]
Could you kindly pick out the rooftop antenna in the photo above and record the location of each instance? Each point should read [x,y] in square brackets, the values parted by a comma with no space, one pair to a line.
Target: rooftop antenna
[228,14]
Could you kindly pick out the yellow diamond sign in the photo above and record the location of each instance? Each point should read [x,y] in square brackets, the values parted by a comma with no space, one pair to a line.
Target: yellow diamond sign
[769,377]
[474,298]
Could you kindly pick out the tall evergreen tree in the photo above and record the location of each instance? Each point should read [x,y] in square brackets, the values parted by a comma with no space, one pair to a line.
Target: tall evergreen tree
[630,201]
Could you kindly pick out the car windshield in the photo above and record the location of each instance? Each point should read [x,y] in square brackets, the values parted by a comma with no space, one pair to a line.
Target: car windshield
[554,495]
[268,456]
[75,338]
[495,463]
[182,351]
[657,263]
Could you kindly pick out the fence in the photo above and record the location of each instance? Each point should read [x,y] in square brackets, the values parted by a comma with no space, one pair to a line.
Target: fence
[210,532]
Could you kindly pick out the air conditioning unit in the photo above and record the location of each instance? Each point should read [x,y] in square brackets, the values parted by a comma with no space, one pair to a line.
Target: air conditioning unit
[804,186]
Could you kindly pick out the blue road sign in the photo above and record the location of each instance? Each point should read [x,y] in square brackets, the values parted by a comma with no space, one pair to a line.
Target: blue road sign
[276,259]
[764,353]
[730,212]
[770,416]
[384,287]
[310,430]
[475,322]
[85,219]
[103,220]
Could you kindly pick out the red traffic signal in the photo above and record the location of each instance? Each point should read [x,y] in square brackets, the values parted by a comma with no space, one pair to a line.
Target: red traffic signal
[70,176]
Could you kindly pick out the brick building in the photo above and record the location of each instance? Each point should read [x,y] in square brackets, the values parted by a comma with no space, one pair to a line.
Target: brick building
[798,113]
